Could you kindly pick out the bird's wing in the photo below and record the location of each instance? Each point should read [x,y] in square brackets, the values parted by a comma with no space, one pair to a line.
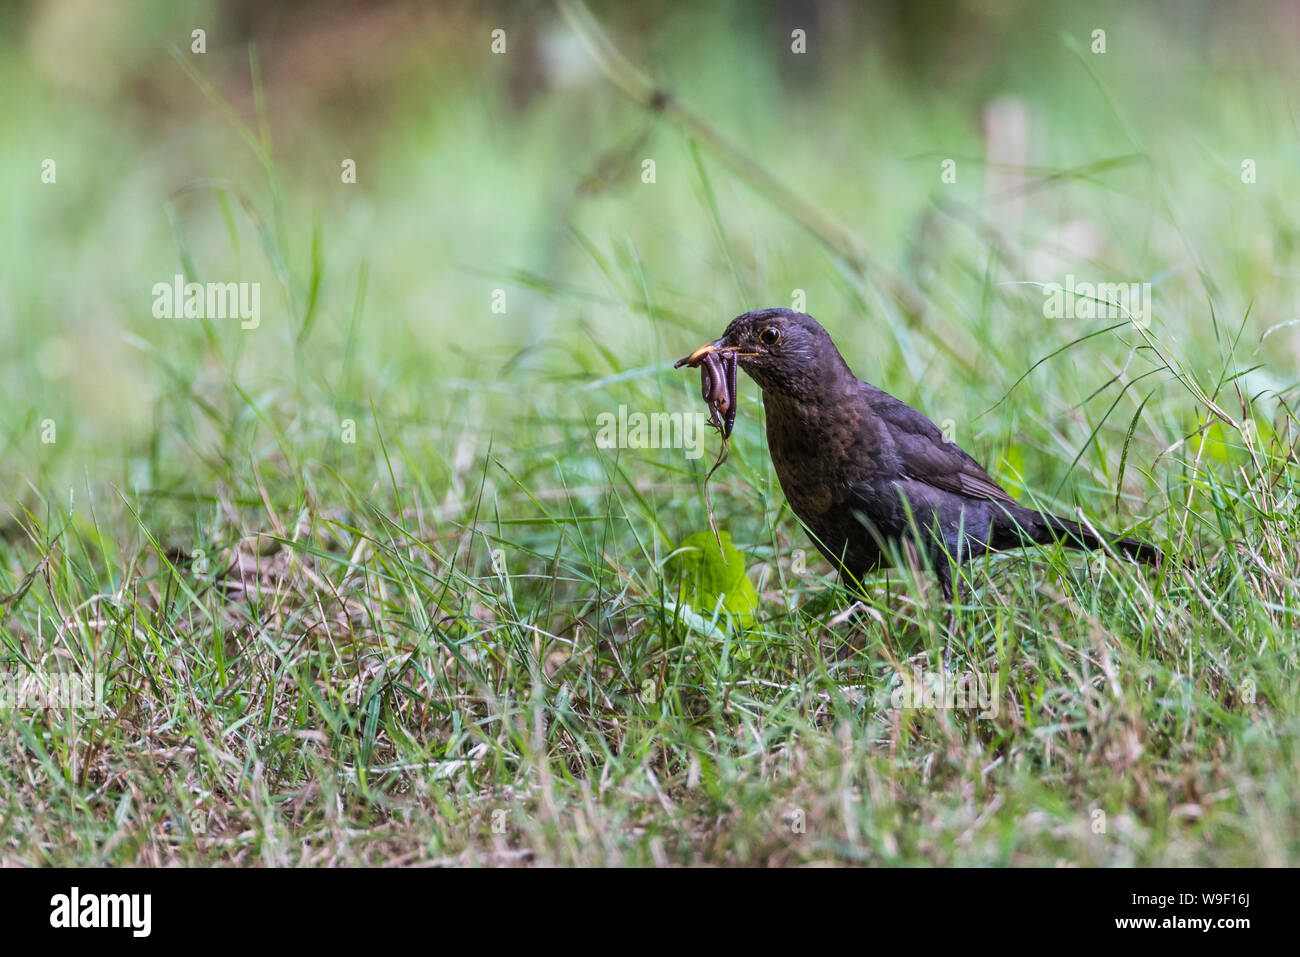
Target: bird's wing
[926,456]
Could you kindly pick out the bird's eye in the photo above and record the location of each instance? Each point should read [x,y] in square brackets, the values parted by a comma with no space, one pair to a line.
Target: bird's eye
[770,336]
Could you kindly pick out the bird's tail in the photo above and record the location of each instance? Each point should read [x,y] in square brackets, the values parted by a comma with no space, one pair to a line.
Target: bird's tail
[1070,532]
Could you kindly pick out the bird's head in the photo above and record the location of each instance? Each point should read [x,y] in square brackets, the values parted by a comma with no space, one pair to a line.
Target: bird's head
[785,352]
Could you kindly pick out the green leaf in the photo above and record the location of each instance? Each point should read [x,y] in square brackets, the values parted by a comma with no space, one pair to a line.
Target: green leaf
[708,581]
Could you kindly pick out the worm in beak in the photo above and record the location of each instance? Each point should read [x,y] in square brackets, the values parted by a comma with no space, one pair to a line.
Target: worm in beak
[717,365]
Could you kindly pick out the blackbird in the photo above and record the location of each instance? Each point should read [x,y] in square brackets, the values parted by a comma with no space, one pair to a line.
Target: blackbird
[869,475]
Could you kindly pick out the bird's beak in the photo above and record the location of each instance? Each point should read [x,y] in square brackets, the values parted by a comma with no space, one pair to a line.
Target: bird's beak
[694,358]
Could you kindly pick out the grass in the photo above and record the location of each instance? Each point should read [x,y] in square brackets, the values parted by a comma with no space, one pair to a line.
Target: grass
[363,589]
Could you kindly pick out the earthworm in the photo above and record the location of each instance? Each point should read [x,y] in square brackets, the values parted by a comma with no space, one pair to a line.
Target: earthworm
[729,413]
[718,388]
[713,383]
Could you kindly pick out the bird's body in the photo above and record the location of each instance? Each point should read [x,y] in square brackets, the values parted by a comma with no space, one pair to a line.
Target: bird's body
[869,475]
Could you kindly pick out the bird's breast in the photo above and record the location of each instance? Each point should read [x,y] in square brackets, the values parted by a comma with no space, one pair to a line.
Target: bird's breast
[819,448]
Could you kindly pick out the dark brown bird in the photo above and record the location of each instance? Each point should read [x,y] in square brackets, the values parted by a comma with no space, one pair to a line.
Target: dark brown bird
[868,474]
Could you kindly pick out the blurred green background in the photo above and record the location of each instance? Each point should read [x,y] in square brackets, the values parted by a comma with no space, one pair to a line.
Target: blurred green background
[522,172]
